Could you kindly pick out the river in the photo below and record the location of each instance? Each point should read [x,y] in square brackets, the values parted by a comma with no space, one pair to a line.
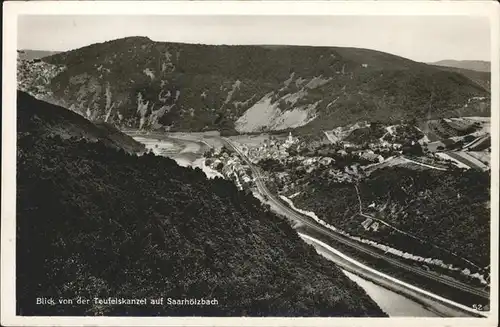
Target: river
[187,150]
[394,304]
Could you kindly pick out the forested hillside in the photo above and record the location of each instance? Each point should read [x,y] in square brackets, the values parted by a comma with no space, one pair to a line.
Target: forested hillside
[482,78]
[136,82]
[449,209]
[96,222]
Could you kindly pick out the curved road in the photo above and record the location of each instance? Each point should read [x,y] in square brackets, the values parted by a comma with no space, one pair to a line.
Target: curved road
[459,310]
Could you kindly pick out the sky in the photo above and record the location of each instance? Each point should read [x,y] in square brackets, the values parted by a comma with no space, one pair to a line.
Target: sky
[420,38]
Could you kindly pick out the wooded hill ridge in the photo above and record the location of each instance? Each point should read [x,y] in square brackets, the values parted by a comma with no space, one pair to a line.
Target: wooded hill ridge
[139,83]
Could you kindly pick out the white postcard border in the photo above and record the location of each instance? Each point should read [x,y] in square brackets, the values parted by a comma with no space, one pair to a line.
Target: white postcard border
[13,9]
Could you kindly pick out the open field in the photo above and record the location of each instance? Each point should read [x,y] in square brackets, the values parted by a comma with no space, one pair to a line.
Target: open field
[482,143]
[437,130]
[482,156]
[468,160]
[395,161]
[253,140]
[457,162]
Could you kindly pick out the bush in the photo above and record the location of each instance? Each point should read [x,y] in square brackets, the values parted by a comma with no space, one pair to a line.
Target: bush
[469,138]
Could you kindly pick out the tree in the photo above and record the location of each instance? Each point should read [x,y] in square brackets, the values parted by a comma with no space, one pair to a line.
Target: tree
[414,149]
[469,138]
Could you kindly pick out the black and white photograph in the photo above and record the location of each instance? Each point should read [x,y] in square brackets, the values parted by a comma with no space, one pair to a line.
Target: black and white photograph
[250,163]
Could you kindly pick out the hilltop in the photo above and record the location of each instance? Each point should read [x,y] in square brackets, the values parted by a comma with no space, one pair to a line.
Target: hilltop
[138,83]
[97,222]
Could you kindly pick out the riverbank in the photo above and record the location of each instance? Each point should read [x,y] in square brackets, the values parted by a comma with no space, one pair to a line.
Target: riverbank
[186,150]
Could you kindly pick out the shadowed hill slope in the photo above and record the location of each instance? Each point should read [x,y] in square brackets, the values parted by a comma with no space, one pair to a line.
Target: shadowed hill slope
[481,78]
[97,222]
[45,120]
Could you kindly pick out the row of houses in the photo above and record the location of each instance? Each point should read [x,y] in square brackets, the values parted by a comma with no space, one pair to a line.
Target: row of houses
[231,167]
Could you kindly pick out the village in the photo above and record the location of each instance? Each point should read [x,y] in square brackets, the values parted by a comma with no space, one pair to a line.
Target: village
[347,158]
[291,151]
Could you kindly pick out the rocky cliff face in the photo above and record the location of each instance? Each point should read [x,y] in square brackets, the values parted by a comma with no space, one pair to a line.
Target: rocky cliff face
[34,76]
[138,83]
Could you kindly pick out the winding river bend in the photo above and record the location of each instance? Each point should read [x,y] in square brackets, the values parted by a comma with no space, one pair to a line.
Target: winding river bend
[394,304]
[187,150]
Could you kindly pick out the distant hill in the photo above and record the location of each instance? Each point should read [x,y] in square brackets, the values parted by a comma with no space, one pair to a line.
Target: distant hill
[477,65]
[479,77]
[34,54]
[138,83]
[101,223]
[47,120]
